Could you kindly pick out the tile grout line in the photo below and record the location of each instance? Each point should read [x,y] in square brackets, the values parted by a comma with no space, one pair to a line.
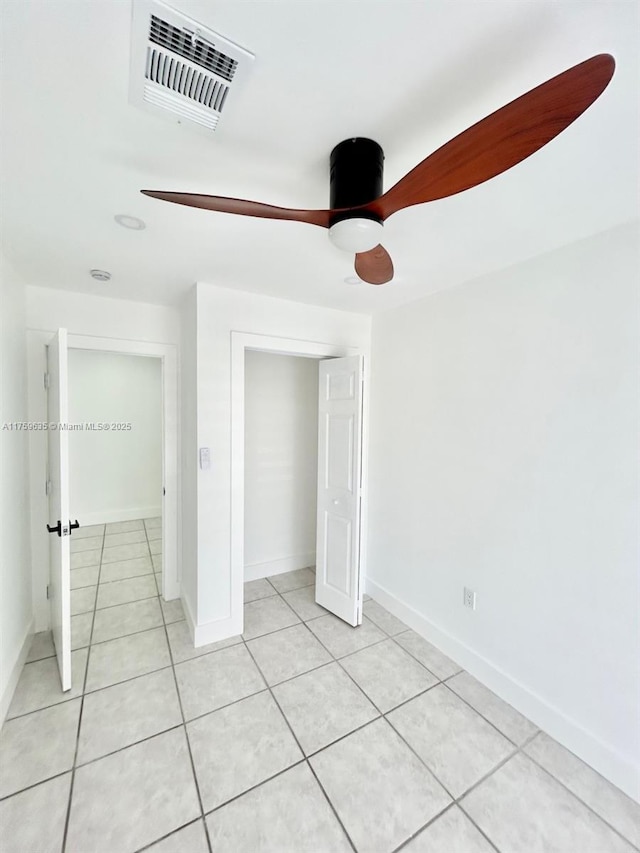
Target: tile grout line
[331,805]
[305,758]
[89,693]
[443,681]
[382,715]
[133,600]
[517,749]
[182,714]
[456,801]
[168,835]
[480,714]
[407,841]
[33,785]
[573,793]
[121,636]
[257,785]
[84,686]
[109,563]
[116,580]
[97,689]
[84,693]
[111,606]
[179,725]
[92,760]
[446,678]
[334,660]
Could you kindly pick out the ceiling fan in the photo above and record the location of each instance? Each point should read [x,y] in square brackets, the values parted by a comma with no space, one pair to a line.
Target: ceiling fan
[358,207]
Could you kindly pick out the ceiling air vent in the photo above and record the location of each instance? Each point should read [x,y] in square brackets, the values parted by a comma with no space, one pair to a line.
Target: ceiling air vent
[181,68]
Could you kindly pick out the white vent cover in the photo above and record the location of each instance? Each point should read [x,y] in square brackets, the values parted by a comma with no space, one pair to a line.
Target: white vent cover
[181,67]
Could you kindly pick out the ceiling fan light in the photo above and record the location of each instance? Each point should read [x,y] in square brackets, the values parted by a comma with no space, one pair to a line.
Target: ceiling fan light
[356,235]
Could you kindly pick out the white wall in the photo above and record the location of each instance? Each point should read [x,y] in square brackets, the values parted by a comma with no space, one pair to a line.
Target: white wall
[16,620]
[280,463]
[94,317]
[115,475]
[504,436]
[219,312]
[82,314]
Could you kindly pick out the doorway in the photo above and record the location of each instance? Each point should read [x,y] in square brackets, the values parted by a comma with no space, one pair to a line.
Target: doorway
[280,471]
[115,490]
[146,358]
[115,460]
[166,537]
[345,575]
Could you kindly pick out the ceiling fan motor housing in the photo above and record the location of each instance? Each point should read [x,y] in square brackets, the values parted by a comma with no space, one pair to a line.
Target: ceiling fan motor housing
[355,179]
[355,176]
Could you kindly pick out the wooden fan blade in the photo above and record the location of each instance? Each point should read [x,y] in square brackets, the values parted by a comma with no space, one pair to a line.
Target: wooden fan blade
[502,139]
[374,266]
[245,208]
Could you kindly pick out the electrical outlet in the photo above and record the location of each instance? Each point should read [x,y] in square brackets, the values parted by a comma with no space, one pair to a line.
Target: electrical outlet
[469,598]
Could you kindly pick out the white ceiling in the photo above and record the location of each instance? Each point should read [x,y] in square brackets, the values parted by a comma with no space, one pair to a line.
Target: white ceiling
[409,74]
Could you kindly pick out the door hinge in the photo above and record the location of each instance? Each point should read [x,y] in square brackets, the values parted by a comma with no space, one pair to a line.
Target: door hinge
[47,381]
[164,491]
[47,488]
[48,591]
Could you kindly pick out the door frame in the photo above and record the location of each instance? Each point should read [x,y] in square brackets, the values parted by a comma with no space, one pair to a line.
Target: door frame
[240,342]
[167,353]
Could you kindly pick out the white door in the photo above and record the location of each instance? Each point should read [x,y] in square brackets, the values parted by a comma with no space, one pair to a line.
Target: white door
[338,586]
[58,488]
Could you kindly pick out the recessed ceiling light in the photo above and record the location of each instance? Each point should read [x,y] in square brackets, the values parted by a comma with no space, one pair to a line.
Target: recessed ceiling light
[100,275]
[353,279]
[131,222]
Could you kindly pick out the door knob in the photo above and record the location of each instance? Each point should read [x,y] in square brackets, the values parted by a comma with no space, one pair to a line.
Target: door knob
[63,531]
[336,502]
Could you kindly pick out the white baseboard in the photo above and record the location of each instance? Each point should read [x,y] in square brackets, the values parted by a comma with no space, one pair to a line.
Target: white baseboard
[8,689]
[587,746]
[111,516]
[188,615]
[279,567]
[210,632]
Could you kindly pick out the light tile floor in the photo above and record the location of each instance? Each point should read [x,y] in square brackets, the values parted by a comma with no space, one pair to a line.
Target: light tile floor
[302,736]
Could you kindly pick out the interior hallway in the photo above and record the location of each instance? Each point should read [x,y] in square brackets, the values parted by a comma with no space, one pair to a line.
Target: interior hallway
[302,735]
